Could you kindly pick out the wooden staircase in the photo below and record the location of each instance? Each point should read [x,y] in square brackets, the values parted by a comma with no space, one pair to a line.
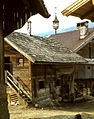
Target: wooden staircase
[14,99]
[19,87]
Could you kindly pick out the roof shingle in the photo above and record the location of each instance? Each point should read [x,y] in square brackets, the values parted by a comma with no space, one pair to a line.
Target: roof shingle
[72,39]
[38,49]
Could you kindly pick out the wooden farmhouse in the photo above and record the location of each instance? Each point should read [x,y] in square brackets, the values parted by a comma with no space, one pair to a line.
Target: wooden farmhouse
[37,68]
[81,41]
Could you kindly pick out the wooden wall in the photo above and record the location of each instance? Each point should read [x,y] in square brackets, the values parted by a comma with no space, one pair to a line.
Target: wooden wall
[45,75]
[21,70]
[86,71]
[18,64]
[88,50]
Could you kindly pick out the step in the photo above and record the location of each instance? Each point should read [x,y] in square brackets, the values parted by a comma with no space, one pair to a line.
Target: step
[14,99]
[22,91]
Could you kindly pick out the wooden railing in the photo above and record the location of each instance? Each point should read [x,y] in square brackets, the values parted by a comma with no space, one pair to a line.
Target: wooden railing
[17,85]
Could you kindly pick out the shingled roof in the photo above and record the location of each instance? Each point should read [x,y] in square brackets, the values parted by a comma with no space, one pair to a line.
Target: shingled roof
[44,50]
[72,40]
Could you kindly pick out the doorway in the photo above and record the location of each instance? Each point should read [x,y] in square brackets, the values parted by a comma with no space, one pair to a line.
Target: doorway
[8,64]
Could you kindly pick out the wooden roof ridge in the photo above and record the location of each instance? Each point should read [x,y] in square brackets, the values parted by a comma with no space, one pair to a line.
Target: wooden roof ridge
[39,7]
[76,5]
[84,9]
[47,15]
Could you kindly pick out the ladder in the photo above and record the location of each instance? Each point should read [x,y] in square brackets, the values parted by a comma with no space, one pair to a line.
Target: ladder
[19,87]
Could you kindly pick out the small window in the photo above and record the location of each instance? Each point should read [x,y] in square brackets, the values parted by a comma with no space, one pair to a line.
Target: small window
[88,67]
[20,61]
[57,82]
[41,84]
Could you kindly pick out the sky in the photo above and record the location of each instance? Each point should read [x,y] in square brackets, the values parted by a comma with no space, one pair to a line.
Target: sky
[42,25]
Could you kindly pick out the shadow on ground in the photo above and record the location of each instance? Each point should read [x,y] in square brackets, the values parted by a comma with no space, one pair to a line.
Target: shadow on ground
[83,115]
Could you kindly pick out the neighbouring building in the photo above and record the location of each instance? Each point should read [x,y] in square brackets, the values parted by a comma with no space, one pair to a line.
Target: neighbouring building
[81,41]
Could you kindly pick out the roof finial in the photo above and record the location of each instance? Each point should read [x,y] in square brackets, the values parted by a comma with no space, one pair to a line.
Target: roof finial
[55,11]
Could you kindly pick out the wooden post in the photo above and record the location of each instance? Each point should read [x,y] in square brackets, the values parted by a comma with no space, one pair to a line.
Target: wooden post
[4,114]
[90,50]
[71,88]
[72,85]
[29,62]
[32,88]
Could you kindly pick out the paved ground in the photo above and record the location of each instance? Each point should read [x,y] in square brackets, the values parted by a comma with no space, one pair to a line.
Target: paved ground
[67,111]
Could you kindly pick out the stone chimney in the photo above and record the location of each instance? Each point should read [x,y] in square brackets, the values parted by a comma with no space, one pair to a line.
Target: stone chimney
[83,29]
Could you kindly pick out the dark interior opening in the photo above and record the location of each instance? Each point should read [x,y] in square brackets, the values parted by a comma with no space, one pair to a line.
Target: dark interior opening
[41,84]
[8,64]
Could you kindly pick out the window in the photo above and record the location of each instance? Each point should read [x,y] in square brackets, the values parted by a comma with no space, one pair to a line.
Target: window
[88,67]
[57,82]
[41,84]
[20,62]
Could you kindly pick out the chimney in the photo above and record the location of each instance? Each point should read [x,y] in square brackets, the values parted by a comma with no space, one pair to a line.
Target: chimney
[83,29]
[29,27]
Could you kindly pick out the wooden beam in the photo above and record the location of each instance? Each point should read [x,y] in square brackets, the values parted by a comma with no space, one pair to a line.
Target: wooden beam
[75,6]
[32,87]
[87,14]
[93,2]
[71,88]
[4,113]
[90,50]
[30,75]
